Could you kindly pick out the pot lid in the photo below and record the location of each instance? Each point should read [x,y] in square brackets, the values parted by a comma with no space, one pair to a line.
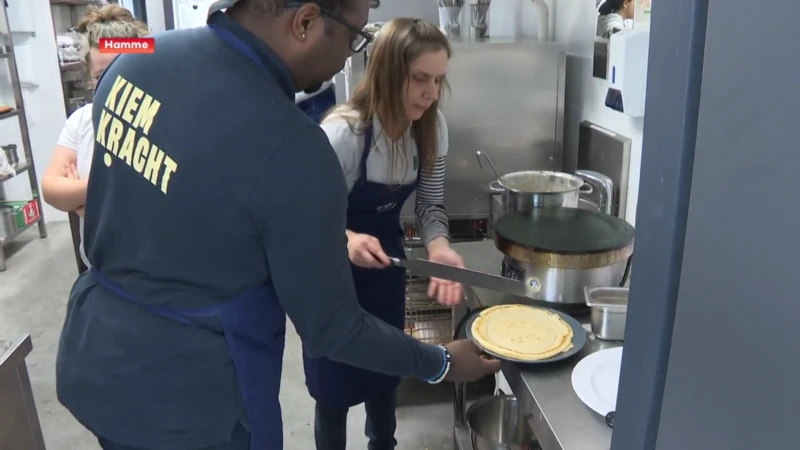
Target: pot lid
[544,235]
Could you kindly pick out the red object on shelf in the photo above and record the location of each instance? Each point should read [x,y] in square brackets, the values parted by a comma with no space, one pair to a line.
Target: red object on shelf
[30,212]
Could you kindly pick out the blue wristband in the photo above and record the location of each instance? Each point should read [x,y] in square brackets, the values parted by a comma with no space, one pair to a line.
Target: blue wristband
[445,366]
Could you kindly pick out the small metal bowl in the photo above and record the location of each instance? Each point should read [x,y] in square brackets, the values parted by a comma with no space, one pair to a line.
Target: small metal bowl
[609,311]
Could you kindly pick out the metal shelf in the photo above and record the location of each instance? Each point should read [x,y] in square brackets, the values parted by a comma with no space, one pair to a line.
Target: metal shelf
[70,66]
[19,169]
[10,238]
[12,113]
[26,167]
[74,75]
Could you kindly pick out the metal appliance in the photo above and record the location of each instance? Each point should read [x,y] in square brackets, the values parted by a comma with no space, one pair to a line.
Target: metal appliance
[556,252]
[543,279]
[606,152]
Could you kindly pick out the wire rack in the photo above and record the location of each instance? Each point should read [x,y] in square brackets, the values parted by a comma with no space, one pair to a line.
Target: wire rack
[426,320]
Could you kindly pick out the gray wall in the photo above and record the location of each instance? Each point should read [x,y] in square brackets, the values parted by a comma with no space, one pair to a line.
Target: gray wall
[732,381]
[390,9]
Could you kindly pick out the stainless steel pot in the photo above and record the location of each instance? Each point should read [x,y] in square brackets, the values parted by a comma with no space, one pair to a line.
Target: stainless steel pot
[523,191]
[11,154]
[498,423]
[559,285]
[8,224]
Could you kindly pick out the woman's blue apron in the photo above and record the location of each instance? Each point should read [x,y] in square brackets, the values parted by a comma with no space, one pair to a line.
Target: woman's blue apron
[254,325]
[373,209]
[316,106]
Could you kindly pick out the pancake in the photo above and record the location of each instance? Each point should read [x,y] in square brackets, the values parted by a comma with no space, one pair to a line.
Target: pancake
[522,332]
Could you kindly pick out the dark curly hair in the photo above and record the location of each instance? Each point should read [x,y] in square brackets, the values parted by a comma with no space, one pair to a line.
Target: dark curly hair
[276,7]
[608,7]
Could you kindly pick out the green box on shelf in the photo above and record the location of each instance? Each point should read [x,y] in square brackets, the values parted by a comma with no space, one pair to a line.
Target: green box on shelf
[25,212]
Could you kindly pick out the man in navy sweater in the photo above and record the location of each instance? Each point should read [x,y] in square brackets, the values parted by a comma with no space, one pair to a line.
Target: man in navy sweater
[215,208]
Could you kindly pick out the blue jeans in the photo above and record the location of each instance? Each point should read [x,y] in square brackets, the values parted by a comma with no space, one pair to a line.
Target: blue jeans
[240,440]
[330,425]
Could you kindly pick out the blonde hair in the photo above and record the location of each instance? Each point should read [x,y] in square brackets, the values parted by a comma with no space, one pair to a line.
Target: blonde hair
[382,93]
[111,21]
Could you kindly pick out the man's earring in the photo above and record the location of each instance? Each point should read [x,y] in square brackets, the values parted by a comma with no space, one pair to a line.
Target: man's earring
[303,36]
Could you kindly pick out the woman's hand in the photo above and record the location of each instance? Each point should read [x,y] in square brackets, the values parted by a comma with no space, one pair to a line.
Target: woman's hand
[444,291]
[366,251]
[71,172]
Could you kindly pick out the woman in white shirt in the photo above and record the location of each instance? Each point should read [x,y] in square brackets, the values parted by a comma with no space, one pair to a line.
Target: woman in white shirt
[64,182]
[391,139]
[613,14]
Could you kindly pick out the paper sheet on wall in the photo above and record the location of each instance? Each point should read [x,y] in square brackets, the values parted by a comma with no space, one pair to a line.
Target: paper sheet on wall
[191,13]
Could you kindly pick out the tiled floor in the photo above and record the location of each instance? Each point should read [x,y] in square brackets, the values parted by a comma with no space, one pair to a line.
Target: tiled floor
[33,293]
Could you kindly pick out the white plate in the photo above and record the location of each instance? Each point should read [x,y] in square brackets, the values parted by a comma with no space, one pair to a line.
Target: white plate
[596,378]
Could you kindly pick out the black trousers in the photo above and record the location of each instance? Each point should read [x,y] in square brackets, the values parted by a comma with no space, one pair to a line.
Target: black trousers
[330,425]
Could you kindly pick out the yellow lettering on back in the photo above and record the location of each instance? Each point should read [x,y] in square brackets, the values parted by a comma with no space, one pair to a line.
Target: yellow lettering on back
[123,99]
[114,133]
[140,154]
[132,105]
[153,166]
[126,152]
[105,118]
[111,100]
[170,166]
[146,113]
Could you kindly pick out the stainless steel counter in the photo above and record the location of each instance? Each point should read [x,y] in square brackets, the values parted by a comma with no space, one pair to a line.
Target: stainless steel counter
[19,428]
[558,418]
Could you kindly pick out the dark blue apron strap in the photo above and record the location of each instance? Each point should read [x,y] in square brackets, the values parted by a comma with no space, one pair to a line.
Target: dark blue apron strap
[172,314]
[237,43]
[362,167]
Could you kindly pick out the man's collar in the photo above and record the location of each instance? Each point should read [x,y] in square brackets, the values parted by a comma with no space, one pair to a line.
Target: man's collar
[274,65]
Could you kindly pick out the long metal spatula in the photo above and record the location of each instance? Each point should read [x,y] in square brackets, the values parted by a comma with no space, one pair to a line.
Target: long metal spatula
[466,277]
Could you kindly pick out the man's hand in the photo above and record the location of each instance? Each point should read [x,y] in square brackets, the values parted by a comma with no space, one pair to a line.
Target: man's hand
[467,363]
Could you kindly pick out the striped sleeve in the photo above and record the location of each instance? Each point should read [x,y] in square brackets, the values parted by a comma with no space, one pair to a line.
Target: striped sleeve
[431,215]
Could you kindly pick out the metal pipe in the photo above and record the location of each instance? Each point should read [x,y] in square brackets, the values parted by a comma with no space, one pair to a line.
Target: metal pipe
[543,14]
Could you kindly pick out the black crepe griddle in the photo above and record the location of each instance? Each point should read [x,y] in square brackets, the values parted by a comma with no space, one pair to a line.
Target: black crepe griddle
[565,231]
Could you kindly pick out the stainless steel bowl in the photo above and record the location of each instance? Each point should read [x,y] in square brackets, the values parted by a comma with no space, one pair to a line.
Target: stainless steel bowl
[497,423]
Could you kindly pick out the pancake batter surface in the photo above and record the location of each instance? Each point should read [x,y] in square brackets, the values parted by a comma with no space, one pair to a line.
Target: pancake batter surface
[522,332]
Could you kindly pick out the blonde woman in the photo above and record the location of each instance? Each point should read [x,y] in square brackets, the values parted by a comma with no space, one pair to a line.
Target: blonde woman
[64,182]
[391,139]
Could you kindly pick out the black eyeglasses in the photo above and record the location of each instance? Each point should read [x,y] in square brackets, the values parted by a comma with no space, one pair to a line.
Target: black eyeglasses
[360,38]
